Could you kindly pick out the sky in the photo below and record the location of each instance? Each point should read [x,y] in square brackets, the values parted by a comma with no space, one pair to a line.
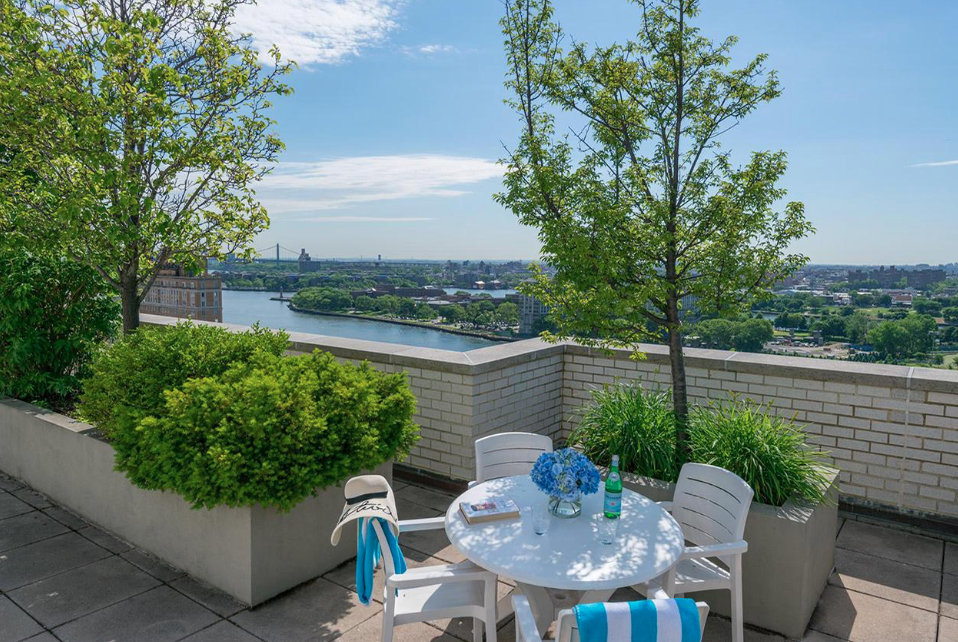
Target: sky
[397,122]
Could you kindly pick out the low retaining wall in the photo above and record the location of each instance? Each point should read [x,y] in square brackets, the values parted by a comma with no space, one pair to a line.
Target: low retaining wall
[252,553]
[892,431]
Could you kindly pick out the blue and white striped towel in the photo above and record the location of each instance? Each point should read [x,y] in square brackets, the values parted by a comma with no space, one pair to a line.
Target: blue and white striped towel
[368,554]
[674,620]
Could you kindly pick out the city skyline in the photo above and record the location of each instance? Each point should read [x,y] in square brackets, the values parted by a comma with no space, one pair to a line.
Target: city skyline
[405,165]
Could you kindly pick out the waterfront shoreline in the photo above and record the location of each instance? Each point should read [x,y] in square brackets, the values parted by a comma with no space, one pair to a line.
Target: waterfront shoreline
[407,322]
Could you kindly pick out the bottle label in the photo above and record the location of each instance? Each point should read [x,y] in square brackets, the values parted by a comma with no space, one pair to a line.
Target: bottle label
[613,502]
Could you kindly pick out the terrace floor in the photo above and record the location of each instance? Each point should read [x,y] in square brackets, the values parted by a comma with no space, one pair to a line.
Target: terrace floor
[63,579]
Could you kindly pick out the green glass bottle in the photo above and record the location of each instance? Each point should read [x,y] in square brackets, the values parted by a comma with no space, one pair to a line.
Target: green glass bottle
[613,490]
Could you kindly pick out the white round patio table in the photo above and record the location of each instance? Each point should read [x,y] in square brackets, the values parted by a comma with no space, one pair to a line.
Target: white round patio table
[569,555]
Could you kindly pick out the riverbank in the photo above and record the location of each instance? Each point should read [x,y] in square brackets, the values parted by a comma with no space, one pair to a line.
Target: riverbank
[408,322]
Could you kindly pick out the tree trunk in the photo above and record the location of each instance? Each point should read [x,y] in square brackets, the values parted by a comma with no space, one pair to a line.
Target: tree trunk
[130,302]
[680,398]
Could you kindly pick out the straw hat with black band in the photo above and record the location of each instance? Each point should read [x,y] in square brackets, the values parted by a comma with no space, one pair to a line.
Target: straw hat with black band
[367,496]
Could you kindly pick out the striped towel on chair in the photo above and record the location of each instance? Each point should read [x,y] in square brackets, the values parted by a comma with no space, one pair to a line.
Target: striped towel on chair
[675,620]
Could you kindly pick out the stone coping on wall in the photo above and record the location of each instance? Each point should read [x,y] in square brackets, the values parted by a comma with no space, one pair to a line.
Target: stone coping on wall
[483,360]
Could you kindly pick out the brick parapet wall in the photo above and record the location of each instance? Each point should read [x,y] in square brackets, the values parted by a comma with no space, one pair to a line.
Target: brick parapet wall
[891,430]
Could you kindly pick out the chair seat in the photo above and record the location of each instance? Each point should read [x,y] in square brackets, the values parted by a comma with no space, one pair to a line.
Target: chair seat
[700,575]
[438,601]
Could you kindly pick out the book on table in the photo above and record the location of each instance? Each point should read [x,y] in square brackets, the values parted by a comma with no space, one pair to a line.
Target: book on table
[488,510]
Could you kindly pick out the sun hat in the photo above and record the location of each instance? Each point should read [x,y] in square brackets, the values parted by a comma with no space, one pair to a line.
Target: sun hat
[367,496]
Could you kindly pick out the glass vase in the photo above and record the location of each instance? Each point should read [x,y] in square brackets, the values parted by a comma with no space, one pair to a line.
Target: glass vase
[566,508]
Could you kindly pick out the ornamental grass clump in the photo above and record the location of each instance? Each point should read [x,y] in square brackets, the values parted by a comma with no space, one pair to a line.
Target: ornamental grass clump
[129,379]
[765,450]
[269,431]
[637,425]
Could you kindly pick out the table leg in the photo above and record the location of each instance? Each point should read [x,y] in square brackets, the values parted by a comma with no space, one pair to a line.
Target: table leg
[542,607]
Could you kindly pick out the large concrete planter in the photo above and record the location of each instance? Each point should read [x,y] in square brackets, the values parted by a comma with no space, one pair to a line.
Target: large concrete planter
[791,551]
[251,553]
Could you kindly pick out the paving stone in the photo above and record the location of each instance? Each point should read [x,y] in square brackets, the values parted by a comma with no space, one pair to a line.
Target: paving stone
[949,596]
[319,610]
[157,568]
[67,518]
[32,497]
[838,527]
[15,625]
[818,636]
[106,540]
[462,627]
[428,497]
[222,631]
[43,637]
[371,629]
[8,483]
[719,629]
[891,544]
[68,596]
[34,562]
[212,598]
[885,578]
[947,630]
[160,615]
[28,528]
[430,542]
[849,615]
[951,558]
[11,505]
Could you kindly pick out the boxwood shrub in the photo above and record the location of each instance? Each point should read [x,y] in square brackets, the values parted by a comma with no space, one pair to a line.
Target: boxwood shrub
[268,431]
[128,380]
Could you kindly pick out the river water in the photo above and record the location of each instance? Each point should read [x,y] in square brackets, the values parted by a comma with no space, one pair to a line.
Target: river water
[247,308]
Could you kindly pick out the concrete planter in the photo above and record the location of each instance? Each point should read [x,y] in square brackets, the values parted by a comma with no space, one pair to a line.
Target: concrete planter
[251,553]
[791,551]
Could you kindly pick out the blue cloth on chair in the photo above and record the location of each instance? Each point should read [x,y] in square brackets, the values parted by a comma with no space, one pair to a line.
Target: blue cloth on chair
[368,554]
[675,620]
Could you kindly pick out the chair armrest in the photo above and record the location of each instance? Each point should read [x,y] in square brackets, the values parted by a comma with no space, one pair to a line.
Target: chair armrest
[714,550]
[666,505]
[526,630]
[426,524]
[472,483]
[439,574]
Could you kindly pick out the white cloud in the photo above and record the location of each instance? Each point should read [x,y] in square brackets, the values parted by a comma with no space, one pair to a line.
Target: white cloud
[317,31]
[937,164]
[343,182]
[428,50]
[363,219]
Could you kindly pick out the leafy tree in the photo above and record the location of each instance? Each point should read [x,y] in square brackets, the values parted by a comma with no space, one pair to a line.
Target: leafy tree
[323,299]
[883,300]
[862,300]
[907,337]
[831,326]
[650,209]
[950,314]
[926,306]
[507,314]
[452,313]
[791,321]
[407,308]
[54,316]
[424,312]
[364,303]
[716,333]
[145,125]
[752,335]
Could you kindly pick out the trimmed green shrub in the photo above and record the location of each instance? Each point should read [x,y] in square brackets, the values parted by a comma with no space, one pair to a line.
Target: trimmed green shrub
[54,315]
[638,426]
[765,450]
[129,379]
[269,431]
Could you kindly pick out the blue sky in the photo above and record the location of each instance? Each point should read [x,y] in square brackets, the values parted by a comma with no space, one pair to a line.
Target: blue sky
[397,120]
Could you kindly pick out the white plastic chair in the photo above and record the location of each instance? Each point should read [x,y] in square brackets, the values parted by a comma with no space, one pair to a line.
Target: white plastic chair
[436,592]
[566,629]
[711,505]
[508,453]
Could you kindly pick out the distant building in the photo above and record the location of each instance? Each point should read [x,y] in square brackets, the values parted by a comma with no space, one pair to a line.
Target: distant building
[531,311]
[891,277]
[177,293]
[306,264]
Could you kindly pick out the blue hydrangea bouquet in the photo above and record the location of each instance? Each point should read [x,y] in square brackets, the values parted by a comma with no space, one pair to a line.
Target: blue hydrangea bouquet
[565,475]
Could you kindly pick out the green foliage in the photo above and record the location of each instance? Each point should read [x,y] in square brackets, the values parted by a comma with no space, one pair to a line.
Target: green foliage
[323,299]
[269,431]
[507,314]
[831,326]
[748,335]
[791,321]
[642,208]
[908,337]
[926,306]
[765,450]
[129,379]
[857,327]
[54,315]
[638,426]
[143,128]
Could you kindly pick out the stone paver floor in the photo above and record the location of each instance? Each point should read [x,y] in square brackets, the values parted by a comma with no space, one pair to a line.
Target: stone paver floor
[63,579]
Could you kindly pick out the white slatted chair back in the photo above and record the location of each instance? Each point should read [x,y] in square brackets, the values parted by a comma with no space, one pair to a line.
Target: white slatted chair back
[509,453]
[389,564]
[567,631]
[711,504]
